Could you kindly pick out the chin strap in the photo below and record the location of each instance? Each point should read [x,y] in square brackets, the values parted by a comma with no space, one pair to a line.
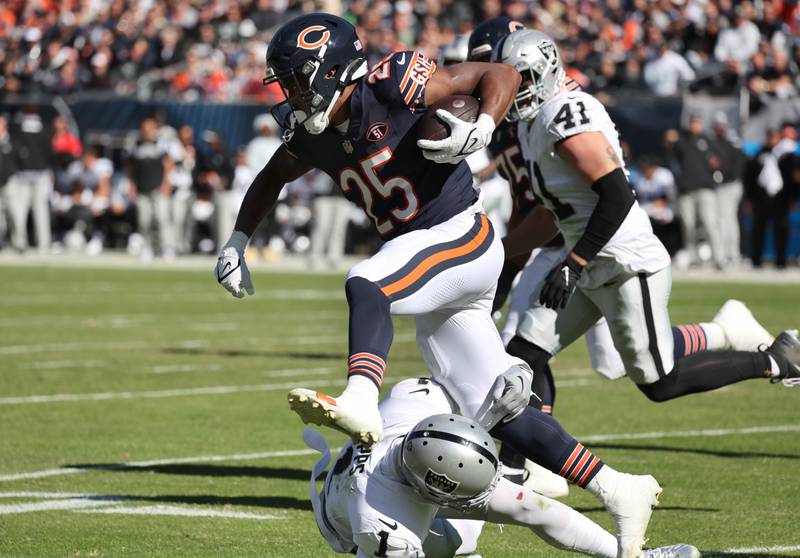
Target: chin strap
[318,122]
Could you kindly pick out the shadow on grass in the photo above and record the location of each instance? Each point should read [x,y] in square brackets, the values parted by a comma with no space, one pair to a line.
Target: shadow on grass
[201,470]
[192,351]
[279,502]
[699,451]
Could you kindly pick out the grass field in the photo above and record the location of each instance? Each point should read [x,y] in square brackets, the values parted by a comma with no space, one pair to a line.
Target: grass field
[143,413]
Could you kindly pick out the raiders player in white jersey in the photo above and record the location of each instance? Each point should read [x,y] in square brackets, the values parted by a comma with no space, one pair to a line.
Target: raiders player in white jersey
[427,487]
[616,267]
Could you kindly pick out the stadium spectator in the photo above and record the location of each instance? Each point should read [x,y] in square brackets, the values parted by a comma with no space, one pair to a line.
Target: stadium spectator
[739,42]
[8,166]
[151,192]
[330,216]
[30,186]
[770,184]
[216,172]
[261,147]
[689,154]
[655,189]
[667,72]
[181,151]
[727,163]
[80,207]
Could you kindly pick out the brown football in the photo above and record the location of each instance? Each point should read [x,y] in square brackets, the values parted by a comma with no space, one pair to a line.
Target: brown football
[464,107]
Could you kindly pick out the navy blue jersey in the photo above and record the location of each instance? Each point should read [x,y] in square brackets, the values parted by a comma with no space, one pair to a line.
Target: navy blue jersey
[376,161]
[508,156]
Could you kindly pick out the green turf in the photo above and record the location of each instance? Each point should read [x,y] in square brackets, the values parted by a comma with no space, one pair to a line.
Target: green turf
[71,331]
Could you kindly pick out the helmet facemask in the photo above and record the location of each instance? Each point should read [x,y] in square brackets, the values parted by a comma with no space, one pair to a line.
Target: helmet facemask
[312,89]
[535,56]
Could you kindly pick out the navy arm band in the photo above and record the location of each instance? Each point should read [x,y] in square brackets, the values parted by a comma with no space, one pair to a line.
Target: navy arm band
[616,200]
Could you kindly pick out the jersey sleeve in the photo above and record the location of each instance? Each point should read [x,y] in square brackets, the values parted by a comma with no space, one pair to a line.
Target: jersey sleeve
[400,79]
[575,113]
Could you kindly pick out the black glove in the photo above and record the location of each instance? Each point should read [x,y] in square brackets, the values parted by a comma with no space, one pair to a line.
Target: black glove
[507,276]
[560,283]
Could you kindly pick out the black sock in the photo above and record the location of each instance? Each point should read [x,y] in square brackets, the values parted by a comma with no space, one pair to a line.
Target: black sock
[706,371]
[537,358]
[541,438]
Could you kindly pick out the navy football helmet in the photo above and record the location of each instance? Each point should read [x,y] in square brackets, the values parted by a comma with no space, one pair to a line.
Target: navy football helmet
[486,36]
[313,58]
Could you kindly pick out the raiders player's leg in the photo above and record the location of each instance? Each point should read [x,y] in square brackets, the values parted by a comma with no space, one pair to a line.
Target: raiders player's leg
[465,354]
[603,355]
[636,310]
[418,272]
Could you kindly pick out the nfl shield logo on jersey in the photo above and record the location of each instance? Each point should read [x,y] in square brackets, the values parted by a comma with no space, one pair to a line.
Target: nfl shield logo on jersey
[377,131]
[440,483]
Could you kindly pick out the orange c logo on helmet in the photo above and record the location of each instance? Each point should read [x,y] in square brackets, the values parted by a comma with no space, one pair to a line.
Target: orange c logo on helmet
[303,43]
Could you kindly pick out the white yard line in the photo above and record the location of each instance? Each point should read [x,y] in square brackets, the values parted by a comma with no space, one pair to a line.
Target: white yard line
[171,368]
[210,390]
[182,512]
[86,502]
[748,550]
[61,364]
[49,505]
[304,452]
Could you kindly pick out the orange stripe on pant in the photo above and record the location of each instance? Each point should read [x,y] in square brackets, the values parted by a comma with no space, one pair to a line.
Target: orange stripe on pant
[426,264]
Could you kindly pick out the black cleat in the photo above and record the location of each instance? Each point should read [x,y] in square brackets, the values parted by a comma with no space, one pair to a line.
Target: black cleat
[787,346]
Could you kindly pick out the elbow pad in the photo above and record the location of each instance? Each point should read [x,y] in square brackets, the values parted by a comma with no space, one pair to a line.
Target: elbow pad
[616,200]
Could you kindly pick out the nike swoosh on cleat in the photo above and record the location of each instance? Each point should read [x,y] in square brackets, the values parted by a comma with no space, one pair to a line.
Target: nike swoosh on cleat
[426,390]
[389,525]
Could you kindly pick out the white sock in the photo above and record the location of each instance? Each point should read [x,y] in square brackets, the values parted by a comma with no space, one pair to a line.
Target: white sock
[553,521]
[604,482]
[774,367]
[715,337]
[361,388]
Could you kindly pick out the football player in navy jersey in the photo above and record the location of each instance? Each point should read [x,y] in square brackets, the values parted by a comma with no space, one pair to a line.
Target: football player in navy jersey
[441,258]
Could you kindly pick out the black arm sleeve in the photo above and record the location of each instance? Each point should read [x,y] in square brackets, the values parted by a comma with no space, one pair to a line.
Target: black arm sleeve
[616,200]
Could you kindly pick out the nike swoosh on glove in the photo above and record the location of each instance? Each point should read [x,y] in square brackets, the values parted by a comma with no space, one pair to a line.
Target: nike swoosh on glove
[465,138]
[231,270]
[560,283]
[512,391]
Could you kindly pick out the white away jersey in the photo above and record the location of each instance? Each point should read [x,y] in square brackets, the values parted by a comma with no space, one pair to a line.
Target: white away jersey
[367,502]
[566,193]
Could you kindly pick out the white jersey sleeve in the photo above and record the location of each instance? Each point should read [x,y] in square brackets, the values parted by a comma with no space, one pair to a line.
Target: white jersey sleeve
[566,193]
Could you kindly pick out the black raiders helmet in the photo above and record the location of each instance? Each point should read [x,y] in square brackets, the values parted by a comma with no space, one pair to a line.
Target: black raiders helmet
[486,36]
[313,58]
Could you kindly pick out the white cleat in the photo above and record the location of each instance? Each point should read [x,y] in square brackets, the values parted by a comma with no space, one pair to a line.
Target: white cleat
[742,330]
[674,551]
[359,420]
[631,503]
[545,482]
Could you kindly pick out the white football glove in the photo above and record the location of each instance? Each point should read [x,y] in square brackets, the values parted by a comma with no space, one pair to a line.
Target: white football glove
[465,138]
[508,397]
[231,271]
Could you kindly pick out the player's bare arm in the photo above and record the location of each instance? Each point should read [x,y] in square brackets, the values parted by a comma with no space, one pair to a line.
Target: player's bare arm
[495,85]
[594,158]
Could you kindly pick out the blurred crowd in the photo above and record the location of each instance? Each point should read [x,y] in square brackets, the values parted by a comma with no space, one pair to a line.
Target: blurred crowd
[167,190]
[173,191]
[215,49]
